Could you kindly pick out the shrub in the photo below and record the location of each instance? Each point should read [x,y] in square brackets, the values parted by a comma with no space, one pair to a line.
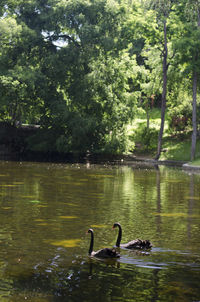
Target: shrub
[180,112]
[145,138]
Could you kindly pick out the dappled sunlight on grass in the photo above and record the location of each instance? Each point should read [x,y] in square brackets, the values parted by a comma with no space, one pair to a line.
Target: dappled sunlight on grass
[177,150]
[174,147]
[195,162]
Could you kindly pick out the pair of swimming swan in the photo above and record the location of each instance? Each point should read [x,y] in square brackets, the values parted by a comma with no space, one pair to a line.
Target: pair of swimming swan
[112,253]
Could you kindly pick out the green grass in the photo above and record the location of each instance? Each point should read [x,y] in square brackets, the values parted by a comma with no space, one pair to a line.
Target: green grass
[176,150]
[195,162]
[175,147]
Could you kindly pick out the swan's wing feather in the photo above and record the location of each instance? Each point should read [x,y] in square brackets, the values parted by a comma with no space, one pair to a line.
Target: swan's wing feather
[138,244]
[106,253]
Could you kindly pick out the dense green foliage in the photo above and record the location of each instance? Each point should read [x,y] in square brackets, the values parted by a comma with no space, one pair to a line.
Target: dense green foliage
[82,70]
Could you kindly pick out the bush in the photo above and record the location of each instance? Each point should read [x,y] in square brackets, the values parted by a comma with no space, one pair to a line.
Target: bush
[42,141]
[145,138]
[116,142]
[180,119]
[180,112]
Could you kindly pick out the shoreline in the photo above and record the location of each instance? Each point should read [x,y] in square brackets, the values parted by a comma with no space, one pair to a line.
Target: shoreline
[153,162]
[5,155]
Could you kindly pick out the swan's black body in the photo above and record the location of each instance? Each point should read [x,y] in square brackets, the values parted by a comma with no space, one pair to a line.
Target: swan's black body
[103,253]
[134,244]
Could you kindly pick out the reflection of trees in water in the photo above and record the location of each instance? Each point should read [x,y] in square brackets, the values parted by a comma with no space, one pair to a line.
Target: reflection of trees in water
[190,206]
[6,288]
[88,282]
[94,280]
[158,207]
[6,284]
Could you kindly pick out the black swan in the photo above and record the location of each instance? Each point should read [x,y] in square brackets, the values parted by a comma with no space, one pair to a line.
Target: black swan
[134,244]
[103,253]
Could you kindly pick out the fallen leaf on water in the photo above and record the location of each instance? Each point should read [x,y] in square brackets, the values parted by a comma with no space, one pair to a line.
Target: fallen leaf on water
[39,220]
[70,204]
[41,206]
[175,215]
[67,217]
[34,201]
[65,243]
[98,226]
[8,185]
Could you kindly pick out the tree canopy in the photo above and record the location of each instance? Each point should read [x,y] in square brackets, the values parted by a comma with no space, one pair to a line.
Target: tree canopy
[81,68]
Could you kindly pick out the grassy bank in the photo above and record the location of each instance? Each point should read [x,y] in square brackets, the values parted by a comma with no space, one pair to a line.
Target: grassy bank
[176,145]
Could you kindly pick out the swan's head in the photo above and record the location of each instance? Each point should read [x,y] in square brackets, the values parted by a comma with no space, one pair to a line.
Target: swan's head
[116,224]
[90,231]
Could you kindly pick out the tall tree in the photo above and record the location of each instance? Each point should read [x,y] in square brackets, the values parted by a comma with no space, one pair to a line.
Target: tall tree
[72,60]
[188,46]
[163,10]
[196,9]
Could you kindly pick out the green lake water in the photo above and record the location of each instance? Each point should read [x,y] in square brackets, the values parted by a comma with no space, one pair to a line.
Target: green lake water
[46,210]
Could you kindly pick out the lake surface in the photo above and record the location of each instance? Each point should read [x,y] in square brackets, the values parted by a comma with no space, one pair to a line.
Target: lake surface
[46,210]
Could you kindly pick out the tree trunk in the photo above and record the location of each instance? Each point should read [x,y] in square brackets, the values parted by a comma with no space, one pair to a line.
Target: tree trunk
[194,104]
[147,112]
[164,92]
[194,116]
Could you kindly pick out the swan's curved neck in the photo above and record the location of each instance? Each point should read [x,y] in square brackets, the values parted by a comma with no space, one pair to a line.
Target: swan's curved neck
[91,244]
[119,237]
